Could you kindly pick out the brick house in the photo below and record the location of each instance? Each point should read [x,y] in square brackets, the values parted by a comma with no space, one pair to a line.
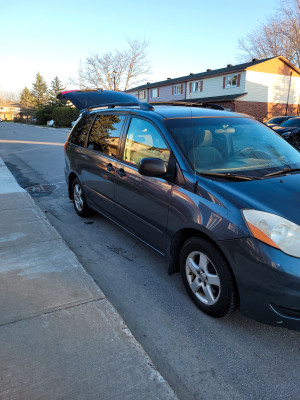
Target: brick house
[9,110]
[261,88]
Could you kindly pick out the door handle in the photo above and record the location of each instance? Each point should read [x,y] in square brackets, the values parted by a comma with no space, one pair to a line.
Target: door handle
[121,172]
[109,167]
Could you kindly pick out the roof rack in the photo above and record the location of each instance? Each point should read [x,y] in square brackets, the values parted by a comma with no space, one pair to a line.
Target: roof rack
[187,104]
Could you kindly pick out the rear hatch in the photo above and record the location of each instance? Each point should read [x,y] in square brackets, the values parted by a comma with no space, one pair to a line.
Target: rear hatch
[85,99]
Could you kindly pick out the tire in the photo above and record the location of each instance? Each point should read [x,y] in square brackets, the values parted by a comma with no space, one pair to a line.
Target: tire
[207,278]
[79,202]
[295,141]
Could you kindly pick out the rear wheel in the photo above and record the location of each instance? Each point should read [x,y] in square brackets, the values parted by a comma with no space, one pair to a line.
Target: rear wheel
[79,201]
[207,278]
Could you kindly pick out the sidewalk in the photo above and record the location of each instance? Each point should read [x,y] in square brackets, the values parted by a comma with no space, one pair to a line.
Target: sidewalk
[60,338]
[45,127]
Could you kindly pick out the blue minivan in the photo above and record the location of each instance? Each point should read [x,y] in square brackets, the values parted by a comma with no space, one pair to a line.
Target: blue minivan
[216,192]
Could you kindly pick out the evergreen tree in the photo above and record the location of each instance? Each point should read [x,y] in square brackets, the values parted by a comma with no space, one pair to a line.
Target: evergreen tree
[56,87]
[40,91]
[26,103]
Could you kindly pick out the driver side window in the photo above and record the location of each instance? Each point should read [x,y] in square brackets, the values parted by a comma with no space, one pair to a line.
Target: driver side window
[142,141]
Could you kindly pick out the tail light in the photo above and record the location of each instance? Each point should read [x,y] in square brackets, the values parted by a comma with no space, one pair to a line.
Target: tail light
[65,146]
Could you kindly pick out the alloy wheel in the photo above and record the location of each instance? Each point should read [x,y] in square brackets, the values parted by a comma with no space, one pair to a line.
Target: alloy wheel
[203,278]
[78,199]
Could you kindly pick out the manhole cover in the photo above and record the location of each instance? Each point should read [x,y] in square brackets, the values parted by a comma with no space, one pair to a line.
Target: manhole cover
[41,190]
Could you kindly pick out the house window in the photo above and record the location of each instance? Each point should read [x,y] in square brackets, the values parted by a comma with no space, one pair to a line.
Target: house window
[231,81]
[155,92]
[196,87]
[177,89]
[142,94]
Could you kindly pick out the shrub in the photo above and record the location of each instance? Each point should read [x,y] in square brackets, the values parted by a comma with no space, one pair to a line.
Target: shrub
[44,114]
[20,120]
[63,116]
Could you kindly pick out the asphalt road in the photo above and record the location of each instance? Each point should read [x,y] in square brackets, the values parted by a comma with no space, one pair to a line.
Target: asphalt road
[200,357]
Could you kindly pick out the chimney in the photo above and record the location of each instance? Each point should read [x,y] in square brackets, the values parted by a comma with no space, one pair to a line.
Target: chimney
[208,70]
[168,79]
[192,73]
[148,83]
[229,65]
[254,59]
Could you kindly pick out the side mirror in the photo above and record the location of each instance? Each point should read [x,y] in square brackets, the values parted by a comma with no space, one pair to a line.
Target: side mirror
[154,167]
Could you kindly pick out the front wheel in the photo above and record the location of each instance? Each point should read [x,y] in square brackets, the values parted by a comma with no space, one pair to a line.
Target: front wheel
[207,278]
[79,202]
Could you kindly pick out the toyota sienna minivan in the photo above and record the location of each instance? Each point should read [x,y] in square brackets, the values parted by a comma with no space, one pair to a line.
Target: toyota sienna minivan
[216,192]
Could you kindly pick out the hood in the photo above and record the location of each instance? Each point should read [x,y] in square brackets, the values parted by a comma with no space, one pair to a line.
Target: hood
[278,195]
[84,99]
[282,129]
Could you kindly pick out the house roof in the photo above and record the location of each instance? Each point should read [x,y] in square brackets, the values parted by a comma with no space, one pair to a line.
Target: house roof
[207,74]
[9,104]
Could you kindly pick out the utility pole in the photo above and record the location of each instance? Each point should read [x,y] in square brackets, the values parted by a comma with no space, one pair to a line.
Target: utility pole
[114,72]
[287,103]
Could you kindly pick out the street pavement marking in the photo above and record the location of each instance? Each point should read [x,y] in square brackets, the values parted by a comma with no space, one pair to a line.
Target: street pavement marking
[29,142]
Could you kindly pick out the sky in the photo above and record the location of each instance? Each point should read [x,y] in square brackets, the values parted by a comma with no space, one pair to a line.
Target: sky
[185,36]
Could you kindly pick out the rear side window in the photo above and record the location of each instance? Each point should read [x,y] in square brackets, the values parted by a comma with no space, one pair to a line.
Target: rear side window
[81,130]
[105,134]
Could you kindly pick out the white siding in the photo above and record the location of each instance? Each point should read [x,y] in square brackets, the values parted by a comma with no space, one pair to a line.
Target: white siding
[135,94]
[271,88]
[213,87]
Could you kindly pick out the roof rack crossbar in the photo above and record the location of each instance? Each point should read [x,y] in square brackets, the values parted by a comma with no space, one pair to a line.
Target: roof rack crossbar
[111,105]
[143,106]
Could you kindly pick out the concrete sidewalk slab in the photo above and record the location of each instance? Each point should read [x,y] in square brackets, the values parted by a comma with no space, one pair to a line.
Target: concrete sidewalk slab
[20,201]
[8,183]
[60,337]
[73,356]
[41,277]
[19,216]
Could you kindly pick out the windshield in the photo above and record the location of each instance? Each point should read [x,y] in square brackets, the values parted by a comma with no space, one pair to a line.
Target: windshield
[276,120]
[232,145]
[291,122]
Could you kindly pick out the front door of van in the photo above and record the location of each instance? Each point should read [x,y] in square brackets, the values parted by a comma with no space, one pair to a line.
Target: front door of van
[142,202]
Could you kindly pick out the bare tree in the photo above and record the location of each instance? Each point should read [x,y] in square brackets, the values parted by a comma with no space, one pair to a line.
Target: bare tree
[9,96]
[280,35]
[117,70]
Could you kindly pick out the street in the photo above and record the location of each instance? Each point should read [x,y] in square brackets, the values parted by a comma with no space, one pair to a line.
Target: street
[200,357]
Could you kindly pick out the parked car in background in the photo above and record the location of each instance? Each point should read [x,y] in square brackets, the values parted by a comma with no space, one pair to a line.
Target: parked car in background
[290,131]
[51,123]
[275,121]
[215,192]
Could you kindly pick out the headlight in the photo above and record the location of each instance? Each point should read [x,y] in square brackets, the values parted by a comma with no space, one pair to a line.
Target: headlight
[274,230]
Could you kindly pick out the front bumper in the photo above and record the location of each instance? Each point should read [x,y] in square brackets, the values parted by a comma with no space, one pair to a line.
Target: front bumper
[268,281]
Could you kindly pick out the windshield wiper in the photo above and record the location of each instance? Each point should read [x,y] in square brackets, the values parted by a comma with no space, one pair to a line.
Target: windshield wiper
[282,172]
[229,176]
